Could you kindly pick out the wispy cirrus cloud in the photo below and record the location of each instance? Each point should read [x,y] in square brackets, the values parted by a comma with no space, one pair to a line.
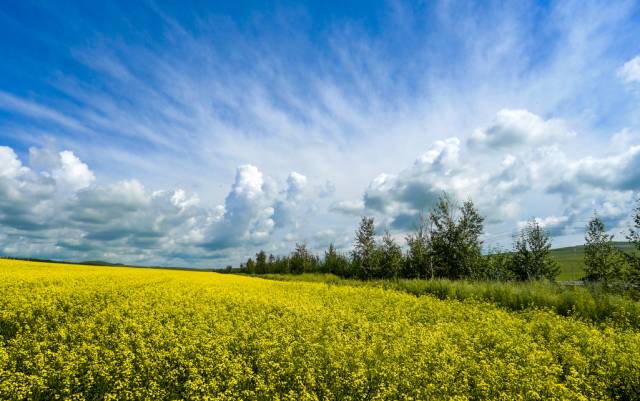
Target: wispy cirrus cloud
[630,71]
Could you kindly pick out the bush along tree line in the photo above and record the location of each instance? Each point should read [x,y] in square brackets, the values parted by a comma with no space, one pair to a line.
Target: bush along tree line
[605,262]
[446,243]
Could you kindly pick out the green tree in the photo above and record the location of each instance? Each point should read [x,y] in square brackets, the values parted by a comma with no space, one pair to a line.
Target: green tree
[531,258]
[418,263]
[301,260]
[330,255]
[496,265]
[455,238]
[335,263]
[261,262]
[633,236]
[364,249]
[601,258]
[271,263]
[250,266]
[470,228]
[390,258]
[281,265]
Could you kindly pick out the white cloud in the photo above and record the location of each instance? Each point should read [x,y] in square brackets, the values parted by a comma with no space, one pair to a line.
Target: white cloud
[630,71]
[182,200]
[548,222]
[10,165]
[512,128]
[248,183]
[73,173]
[443,156]
[504,188]
[126,222]
[37,111]
[349,207]
[325,237]
[624,138]
[296,183]
[247,216]
[619,172]
[254,209]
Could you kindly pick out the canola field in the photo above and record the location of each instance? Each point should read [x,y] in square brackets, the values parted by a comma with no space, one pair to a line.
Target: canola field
[81,332]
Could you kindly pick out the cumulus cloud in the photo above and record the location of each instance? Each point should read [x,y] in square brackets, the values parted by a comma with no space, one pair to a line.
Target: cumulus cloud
[401,197]
[10,165]
[507,185]
[285,209]
[180,199]
[106,204]
[512,128]
[619,172]
[24,196]
[613,207]
[73,173]
[254,209]
[443,156]
[435,171]
[630,71]
[247,213]
[296,183]
[63,211]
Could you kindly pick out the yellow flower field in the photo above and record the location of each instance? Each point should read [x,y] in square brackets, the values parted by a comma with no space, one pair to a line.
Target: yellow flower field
[81,332]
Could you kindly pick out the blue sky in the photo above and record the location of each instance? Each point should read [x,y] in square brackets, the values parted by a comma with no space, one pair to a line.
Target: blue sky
[198,133]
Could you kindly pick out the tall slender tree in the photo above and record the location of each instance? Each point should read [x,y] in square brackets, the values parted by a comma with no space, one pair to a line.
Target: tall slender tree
[330,257]
[443,241]
[418,262]
[601,258]
[390,258]
[261,262]
[251,266]
[364,249]
[633,235]
[470,229]
[271,263]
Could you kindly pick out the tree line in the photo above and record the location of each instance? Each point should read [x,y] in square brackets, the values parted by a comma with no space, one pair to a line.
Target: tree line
[446,243]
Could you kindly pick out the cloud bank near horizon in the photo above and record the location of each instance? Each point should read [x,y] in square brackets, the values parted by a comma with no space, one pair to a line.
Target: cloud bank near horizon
[61,210]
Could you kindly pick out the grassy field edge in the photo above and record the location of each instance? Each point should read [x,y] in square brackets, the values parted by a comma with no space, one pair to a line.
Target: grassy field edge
[591,303]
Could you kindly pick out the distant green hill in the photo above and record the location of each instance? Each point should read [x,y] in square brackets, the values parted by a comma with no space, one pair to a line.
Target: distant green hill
[571,260]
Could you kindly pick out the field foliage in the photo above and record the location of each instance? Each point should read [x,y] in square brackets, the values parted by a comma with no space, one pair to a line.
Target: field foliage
[80,332]
[590,302]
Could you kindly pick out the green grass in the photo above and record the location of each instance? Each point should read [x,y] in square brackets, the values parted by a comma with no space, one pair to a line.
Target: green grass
[571,260]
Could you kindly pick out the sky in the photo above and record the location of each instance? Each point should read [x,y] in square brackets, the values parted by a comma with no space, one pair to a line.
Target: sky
[196,133]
